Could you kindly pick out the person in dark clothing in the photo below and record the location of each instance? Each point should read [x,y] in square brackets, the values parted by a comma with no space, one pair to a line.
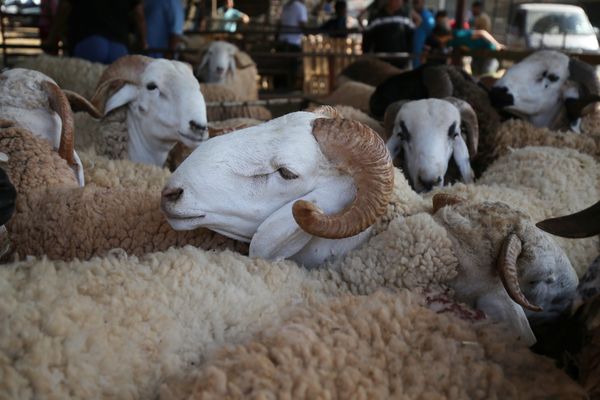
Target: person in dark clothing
[98,30]
[337,26]
[390,31]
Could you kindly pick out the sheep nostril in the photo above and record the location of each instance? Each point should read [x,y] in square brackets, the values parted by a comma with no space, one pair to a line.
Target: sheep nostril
[220,70]
[428,185]
[172,194]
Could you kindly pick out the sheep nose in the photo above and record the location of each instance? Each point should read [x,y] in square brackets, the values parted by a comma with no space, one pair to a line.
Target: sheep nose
[428,184]
[197,127]
[500,97]
[220,70]
[171,194]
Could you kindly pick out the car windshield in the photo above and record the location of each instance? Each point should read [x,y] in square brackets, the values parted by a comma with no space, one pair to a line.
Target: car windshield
[554,22]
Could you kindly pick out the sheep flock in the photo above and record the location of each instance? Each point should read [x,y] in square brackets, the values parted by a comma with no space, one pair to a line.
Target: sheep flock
[411,235]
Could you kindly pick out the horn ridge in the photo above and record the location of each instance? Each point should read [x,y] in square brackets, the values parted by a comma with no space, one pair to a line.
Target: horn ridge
[507,269]
[358,151]
[60,104]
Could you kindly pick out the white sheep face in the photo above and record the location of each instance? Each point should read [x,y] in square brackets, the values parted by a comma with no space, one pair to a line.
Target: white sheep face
[535,87]
[243,185]
[217,62]
[166,108]
[427,132]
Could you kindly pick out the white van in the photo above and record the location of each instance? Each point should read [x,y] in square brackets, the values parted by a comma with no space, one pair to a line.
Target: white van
[553,26]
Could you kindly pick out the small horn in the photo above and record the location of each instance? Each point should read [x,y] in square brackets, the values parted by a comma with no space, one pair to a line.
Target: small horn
[469,123]
[582,224]
[60,104]
[358,151]
[127,69]
[507,268]
[390,116]
[585,75]
[441,200]
[81,104]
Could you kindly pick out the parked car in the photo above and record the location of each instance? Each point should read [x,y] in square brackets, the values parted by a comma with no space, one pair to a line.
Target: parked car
[553,26]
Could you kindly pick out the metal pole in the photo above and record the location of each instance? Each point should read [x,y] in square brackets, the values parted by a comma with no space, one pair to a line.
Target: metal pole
[460,14]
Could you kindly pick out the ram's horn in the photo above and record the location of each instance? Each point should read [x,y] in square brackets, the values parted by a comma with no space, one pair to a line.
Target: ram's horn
[127,69]
[358,151]
[81,104]
[582,224]
[469,121]
[507,269]
[60,104]
[441,200]
[325,111]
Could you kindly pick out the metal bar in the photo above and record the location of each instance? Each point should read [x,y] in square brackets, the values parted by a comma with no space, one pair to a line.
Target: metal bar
[250,103]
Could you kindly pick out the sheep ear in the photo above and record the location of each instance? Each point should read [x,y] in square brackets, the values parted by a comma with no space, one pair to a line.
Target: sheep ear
[231,67]
[499,307]
[126,94]
[279,236]
[460,152]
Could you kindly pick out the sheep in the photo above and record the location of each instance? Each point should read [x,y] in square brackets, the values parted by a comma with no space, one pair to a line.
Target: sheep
[548,88]
[353,94]
[75,74]
[440,81]
[380,346]
[56,218]
[369,71]
[223,63]
[37,103]
[427,133]
[306,166]
[164,106]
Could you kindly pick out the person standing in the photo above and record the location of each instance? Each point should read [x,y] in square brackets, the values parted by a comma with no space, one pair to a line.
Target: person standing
[337,26]
[164,19]
[98,30]
[424,23]
[294,17]
[390,31]
[478,15]
[229,17]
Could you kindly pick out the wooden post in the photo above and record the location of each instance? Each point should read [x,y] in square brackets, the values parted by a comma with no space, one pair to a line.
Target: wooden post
[460,14]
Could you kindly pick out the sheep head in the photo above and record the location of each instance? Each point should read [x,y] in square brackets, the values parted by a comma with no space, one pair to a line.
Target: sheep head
[291,187]
[427,133]
[508,267]
[35,102]
[218,61]
[539,86]
[164,105]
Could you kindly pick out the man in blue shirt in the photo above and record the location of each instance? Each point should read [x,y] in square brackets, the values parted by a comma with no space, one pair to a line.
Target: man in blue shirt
[424,23]
[164,22]
[230,17]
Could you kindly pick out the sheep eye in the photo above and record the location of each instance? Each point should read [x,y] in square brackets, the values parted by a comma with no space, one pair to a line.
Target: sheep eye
[552,78]
[452,131]
[404,133]
[287,174]
[151,86]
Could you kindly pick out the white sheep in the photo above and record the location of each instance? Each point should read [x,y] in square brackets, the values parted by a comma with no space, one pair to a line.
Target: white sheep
[426,134]
[164,106]
[322,161]
[35,102]
[548,88]
[223,63]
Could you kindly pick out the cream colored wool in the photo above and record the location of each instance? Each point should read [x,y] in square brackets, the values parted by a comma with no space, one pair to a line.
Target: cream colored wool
[590,121]
[379,346]
[115,327]
[69,73]
[350,93]
[514,134]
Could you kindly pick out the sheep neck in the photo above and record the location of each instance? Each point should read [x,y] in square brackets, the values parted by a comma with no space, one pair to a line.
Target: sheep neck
[546,119]
[143,148]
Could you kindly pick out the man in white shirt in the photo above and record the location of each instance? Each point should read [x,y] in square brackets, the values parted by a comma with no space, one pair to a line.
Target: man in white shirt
[293,18]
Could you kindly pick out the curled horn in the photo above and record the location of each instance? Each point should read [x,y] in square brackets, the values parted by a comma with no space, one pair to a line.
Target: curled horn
[358,151]
[507,268]
[60,104]
[582,224]
[585,75]
[81,104]
[325,111]
[442,200]
[469,123]
[127,69]
[390,116]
